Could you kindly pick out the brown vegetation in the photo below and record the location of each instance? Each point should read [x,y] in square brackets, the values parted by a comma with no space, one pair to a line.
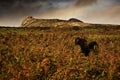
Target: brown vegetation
[50,54]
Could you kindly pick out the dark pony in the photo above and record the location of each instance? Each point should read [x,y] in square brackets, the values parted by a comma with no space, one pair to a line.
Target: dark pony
[86,48]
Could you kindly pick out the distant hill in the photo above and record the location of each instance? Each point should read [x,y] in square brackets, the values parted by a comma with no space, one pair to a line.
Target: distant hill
[30,21]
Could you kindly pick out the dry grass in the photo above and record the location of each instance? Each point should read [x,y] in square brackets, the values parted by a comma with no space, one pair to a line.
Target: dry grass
[23,51]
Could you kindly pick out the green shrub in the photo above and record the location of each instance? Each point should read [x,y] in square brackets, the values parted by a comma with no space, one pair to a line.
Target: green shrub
[76,28]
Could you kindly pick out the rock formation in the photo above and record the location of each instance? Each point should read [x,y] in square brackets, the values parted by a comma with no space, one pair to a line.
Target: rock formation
[29,21]
[74,20]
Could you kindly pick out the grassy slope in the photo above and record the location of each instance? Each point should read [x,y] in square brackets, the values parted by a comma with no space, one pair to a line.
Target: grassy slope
[23,49]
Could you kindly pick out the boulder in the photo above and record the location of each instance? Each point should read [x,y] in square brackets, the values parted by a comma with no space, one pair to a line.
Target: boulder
[74,20]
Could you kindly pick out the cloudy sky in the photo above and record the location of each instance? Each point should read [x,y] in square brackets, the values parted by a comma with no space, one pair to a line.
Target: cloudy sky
[91,11]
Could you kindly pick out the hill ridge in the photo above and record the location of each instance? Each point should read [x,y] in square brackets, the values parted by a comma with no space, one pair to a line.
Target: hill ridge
[30,21]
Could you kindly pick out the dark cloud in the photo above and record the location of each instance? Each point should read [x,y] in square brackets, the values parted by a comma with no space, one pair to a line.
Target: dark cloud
[85,2]
[17,9]
[29,6]
[116,1]
[13,8]
[21,8]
